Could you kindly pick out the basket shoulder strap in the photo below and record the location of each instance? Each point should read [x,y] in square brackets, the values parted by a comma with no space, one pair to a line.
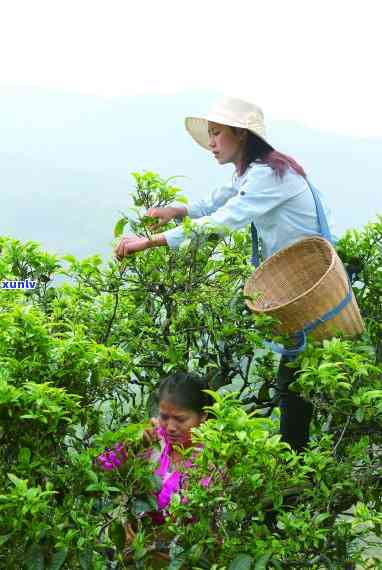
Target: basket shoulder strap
[321,216]
[300,336]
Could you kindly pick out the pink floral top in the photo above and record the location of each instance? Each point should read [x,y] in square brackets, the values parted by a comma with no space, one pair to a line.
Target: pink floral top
[171,479]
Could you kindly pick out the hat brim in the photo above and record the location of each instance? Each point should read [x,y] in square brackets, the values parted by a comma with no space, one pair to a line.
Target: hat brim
[197,127]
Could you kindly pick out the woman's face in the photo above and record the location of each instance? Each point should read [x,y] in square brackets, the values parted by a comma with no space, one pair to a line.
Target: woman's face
[178,422]
[226,145]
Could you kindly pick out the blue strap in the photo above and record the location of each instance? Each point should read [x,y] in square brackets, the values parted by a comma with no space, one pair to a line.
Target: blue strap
[300,336]
[299,339]
[322,219]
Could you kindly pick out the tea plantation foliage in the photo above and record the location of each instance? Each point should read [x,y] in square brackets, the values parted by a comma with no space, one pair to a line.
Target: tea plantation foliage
[79,360]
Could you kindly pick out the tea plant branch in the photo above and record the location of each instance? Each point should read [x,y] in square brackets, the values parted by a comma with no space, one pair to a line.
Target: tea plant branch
[342,435]
[111,320]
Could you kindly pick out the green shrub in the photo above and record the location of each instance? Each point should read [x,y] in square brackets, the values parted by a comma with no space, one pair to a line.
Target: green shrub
[79,360]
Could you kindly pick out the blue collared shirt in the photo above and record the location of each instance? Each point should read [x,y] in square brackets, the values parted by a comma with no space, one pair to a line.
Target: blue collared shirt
[283,210]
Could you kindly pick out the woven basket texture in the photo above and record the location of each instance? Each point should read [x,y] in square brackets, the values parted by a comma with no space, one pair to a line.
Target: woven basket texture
[299,284]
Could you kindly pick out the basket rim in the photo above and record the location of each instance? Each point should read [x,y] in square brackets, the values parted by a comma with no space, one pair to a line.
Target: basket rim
[281,252]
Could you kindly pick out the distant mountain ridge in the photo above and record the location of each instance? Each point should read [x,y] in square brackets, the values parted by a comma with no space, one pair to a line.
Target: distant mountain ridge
[66,163]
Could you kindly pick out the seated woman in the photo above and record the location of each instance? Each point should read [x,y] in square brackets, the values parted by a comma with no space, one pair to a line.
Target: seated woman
[181,407]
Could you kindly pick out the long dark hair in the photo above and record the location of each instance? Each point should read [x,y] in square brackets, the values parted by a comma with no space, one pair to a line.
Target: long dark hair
[258,150]
[185,389]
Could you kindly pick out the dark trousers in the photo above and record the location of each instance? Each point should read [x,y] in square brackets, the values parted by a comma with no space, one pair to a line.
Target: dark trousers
[295,412]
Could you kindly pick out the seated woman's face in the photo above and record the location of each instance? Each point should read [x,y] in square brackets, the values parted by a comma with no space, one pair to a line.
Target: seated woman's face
[178,422]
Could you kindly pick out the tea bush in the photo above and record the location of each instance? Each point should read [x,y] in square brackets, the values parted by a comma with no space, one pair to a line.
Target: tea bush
[79,362]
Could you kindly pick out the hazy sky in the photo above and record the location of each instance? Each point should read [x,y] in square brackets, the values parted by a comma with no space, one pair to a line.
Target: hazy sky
[315,62]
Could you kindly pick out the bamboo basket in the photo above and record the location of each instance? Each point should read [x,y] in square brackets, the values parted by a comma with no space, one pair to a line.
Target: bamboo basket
[299,284]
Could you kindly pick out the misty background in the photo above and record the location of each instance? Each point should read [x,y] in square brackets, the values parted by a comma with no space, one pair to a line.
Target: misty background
[66,162]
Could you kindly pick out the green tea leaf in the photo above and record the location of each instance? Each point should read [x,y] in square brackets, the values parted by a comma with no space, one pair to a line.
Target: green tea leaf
[24,455]
[85,558]
[241,562]
[261,563]
[117,534]
[58,559]
[34,558]
[119,227]
[4,538]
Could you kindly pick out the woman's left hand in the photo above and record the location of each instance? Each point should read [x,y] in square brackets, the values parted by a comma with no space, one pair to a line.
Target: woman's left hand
[131,244]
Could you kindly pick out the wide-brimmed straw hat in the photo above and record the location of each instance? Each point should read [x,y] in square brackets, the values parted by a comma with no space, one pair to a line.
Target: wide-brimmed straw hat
[231,112]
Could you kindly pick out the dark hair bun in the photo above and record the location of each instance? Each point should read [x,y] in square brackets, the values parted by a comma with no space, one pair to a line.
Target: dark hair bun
[186,390]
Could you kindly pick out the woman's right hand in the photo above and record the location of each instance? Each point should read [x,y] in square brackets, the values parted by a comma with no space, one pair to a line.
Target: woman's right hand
[166,214]
[151,435]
